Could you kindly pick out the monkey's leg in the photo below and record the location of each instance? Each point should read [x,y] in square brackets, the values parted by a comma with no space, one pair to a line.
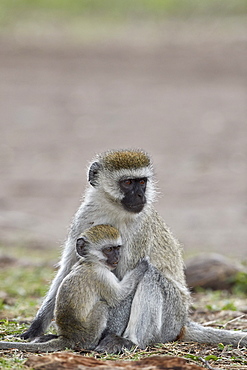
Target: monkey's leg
[158,312]
[95,325]
[145,323]
[46,311]
[119,316]
[112,340]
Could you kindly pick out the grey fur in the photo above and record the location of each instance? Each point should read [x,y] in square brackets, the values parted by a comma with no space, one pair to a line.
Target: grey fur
[194,332]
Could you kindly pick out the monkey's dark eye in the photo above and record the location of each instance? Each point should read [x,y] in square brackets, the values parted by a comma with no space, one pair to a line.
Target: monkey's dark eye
[108,249]
[142,182]
[127,182]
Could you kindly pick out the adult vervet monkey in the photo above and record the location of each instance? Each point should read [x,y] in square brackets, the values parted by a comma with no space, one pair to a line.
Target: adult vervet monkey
[87,292]
[121,194]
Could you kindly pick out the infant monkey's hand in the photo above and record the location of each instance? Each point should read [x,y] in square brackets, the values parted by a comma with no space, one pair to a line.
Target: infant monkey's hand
[143,264]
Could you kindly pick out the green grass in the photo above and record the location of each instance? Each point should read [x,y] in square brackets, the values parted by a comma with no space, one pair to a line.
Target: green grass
[15,10]
[24,280]
[72,22]
[22,287]
[12,363]
[127,7]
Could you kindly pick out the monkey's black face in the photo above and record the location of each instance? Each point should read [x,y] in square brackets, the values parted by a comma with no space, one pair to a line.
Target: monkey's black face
[134,194]
[112,253]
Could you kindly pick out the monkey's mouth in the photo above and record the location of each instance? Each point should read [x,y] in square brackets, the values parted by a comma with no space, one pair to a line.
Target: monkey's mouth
[134,208]
[113,265]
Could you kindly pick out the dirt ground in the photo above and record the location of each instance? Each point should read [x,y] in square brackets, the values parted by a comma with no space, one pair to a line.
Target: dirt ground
[178,90]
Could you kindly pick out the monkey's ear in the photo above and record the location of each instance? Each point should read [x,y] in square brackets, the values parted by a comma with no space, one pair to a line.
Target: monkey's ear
[93,173]
[80,246]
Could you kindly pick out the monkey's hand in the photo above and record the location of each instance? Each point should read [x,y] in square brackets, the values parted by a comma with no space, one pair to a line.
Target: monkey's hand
[143,264]
[146,258]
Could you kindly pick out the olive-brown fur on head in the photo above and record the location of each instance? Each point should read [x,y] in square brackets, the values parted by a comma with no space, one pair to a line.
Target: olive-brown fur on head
[98,233]
[125,159]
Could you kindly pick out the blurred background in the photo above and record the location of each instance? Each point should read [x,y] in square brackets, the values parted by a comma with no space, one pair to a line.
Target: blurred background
[80,77]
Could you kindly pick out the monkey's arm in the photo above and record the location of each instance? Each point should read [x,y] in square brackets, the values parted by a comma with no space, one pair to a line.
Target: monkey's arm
[46,311]
[116,291]
[133,278]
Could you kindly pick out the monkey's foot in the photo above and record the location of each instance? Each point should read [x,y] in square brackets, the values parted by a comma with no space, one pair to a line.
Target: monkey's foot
[113,343]
[34,331]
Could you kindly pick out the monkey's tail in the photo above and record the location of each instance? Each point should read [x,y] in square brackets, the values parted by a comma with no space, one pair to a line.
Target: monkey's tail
[50,346]
[194,332]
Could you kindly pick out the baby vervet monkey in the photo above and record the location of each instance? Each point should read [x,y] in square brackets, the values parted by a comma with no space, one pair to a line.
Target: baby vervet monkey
[87,292]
